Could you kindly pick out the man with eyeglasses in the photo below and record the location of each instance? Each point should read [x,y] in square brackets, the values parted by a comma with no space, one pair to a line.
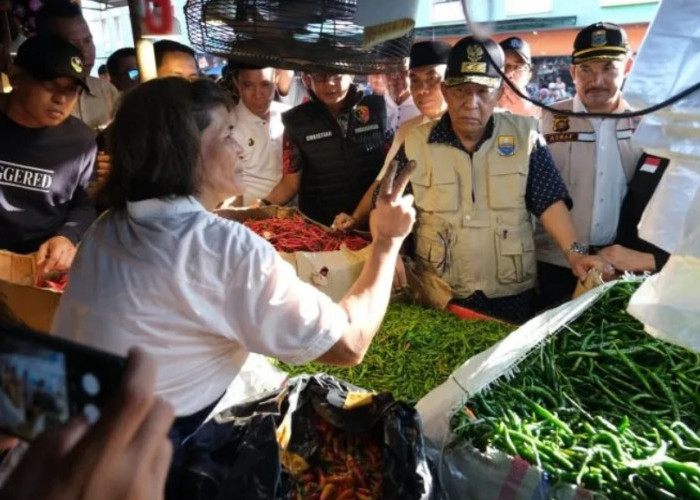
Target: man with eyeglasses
[332,148]
[46,155]
[426,70]
[518,69]
[479,177]
[123,69]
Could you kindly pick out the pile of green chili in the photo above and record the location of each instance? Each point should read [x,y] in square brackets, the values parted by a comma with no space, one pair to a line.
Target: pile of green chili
[602,405]
[415,350]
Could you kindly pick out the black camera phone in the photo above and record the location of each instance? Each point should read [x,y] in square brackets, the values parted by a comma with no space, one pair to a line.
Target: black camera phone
[45,380]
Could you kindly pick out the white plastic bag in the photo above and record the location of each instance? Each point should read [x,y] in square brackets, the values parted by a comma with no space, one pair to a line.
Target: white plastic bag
[668,303]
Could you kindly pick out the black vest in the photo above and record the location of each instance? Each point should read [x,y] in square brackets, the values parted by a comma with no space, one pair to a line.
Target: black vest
[337,167]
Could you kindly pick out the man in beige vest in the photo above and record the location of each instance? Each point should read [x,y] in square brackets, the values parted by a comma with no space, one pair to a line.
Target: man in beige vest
[479,176]
[594,155]
[426,70]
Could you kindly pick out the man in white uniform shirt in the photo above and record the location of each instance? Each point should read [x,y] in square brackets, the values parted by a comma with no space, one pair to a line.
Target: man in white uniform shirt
[399,102]
[258,130]
[594,155]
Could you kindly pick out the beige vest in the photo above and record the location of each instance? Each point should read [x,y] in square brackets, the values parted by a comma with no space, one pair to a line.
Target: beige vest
[473,228]
[572,142]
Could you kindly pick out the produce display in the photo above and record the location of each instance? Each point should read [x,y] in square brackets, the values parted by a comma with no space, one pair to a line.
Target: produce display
[56,281]
[294,234]
[415,350]
[346,466]
[601,405]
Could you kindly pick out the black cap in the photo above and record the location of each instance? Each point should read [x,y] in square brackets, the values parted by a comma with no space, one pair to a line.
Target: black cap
[469,62]
[428,53]
[519,46]
[600,41]
[46,57]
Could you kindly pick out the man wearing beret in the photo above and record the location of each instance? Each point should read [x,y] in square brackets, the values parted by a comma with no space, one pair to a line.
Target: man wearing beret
[594,155]
[479,176]
[46,155]
[426,71]
[518,69]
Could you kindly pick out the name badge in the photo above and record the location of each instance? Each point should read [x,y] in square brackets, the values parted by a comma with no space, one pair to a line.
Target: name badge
[318,136]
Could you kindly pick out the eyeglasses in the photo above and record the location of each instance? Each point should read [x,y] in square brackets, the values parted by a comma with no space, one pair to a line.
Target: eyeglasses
[69,91]
[513,69]
[132,74]
[323,77]
[427,83]
[464,91]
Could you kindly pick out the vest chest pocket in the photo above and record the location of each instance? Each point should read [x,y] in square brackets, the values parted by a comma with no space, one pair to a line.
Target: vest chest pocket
[515,253]
[507,180]
[436,191]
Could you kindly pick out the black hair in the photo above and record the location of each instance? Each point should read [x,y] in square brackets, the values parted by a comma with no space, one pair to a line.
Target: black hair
[155,140]
[162,47]
[102,69]
[115,57]
[55,9]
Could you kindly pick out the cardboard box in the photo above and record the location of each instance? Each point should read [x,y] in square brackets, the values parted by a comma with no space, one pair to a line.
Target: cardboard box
[333,273]
[34,306]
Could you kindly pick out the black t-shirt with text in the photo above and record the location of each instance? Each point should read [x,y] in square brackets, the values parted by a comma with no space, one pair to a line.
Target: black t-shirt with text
[44,176]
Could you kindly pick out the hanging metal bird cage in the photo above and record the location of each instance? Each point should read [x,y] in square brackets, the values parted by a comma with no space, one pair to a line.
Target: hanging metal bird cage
[306,35]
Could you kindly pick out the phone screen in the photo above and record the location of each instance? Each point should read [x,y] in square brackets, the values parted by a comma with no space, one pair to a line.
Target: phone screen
[33,388]
[45,380]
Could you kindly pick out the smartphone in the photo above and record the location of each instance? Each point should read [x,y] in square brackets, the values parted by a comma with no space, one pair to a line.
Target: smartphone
[45,380]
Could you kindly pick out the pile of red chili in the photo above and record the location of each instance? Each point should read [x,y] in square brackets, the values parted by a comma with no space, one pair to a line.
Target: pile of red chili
[346,466]
[56,281]
[294,234]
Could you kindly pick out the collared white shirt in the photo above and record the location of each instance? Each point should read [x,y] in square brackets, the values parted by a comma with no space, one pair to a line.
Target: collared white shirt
[261,140]
[610,178]
[96,107]
[196,291]
[397,114]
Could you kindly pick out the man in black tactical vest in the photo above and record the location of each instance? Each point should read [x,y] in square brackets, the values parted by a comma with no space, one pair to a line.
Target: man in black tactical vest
[333,148]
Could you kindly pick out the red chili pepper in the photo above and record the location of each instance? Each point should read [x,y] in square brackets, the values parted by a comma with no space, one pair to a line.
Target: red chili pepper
[295,234]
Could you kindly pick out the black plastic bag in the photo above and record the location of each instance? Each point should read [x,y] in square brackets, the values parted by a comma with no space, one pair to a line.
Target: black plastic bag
[237,454]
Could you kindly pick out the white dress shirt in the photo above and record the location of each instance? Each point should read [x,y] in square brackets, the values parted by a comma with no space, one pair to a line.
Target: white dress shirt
[261,140]
[610,178]
[398,114]
[196,291]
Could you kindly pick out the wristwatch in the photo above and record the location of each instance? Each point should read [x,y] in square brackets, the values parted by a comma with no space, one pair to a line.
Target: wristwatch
[578,248]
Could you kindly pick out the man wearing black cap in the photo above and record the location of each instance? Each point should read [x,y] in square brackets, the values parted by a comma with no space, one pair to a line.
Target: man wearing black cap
[46,156]
[258,130]
[426,71]
[65,19]
[333,148]
[479,176]
[518,69]
[594,155]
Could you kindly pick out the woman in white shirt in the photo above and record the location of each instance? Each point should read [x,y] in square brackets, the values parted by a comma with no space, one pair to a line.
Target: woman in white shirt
[198,292]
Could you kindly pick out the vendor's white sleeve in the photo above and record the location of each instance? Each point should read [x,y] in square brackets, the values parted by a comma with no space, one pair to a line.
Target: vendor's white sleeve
[279,315]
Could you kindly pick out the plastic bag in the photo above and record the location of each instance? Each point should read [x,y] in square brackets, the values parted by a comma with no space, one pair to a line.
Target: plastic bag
[238,454]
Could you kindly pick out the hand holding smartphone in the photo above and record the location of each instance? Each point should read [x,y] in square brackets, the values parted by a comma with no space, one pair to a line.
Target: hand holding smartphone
[45,380]
[125,454]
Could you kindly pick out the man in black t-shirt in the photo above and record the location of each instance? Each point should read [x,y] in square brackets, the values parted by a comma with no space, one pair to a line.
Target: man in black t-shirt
[46,156]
